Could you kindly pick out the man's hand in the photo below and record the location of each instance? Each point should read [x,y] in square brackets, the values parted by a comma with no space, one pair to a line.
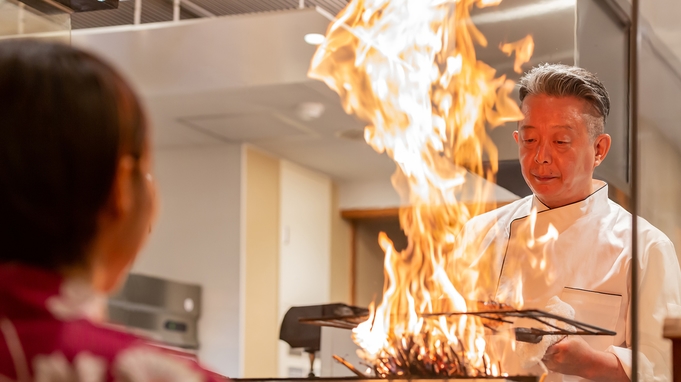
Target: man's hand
[573,356]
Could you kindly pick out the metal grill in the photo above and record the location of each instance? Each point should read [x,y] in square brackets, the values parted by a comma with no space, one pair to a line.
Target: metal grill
[404,355]
[532,335]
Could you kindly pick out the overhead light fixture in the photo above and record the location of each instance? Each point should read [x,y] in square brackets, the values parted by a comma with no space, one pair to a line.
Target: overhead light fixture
[307,111]
[314,38]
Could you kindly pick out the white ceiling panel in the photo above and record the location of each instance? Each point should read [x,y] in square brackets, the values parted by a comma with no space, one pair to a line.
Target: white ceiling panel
[249,127]
[242,78]
[204,55]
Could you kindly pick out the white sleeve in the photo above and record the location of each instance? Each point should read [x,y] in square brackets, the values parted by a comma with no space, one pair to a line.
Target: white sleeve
[660,296]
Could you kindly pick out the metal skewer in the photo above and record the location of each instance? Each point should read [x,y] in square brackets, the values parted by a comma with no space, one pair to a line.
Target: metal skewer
[349,366]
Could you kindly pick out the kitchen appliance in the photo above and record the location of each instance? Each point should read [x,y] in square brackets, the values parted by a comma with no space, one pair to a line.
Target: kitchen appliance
[165,311]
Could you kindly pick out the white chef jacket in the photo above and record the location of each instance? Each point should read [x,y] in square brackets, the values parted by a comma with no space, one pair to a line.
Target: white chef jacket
[591,262]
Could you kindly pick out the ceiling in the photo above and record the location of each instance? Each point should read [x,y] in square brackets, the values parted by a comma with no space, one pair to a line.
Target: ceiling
[242,77]
[246,89]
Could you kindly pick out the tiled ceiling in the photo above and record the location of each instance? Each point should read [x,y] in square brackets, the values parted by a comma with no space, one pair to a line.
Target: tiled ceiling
[162,10]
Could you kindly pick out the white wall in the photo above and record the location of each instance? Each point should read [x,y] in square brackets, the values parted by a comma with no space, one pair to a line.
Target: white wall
[197,240]
[341,253]
[305,250]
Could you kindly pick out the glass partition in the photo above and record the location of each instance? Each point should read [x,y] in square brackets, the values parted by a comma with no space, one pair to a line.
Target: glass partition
[658,182]
[586,259]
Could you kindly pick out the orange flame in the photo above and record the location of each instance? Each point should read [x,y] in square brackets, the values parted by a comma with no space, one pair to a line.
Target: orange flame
[523,49]
[408,68]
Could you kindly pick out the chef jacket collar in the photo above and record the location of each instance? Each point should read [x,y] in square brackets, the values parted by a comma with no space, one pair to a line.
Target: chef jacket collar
[597,198]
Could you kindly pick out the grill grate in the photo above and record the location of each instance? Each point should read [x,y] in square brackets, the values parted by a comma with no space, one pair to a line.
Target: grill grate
[532,335]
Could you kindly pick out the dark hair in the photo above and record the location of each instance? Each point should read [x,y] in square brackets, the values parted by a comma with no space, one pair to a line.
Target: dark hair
[562,81]
[66,117]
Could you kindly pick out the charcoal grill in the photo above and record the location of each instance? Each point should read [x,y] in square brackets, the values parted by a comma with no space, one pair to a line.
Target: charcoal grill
[531,335]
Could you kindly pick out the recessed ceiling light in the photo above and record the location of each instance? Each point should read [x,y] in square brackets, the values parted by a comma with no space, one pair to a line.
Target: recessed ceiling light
[314,38]
[307,111]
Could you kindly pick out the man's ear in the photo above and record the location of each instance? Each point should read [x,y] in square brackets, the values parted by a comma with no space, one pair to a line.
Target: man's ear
[515,136]
[601,147]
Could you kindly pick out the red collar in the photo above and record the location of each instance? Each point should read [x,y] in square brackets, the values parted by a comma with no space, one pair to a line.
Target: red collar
[24,290]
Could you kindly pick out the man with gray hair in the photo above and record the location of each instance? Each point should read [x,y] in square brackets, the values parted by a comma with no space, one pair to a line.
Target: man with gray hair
[561,141]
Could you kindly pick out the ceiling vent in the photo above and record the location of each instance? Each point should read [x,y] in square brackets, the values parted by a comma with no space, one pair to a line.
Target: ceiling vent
[69,6]
[162,10]
[249,127]
[352,134]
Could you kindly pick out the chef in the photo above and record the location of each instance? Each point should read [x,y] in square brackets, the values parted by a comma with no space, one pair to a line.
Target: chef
[576,245]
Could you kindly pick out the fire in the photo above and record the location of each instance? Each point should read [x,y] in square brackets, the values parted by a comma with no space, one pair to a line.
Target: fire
[408,68]
[523,49]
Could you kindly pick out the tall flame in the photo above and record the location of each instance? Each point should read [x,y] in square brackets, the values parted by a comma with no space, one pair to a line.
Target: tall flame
[523,49]
[409,68]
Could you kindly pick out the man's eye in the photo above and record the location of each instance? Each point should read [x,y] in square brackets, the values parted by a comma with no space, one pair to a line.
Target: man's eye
[562,142]
[530,140]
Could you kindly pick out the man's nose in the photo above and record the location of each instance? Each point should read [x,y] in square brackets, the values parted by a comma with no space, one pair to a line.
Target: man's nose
[543,153]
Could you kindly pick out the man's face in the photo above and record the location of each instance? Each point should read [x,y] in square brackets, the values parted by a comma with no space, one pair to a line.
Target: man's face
[557,154]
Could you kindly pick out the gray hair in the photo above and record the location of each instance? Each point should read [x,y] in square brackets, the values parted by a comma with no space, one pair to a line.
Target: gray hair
[563,81]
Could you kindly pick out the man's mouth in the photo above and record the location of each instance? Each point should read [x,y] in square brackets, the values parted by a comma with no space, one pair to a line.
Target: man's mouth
[544,178]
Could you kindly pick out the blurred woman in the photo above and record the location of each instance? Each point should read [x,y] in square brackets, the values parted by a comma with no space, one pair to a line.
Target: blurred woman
[77,200]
